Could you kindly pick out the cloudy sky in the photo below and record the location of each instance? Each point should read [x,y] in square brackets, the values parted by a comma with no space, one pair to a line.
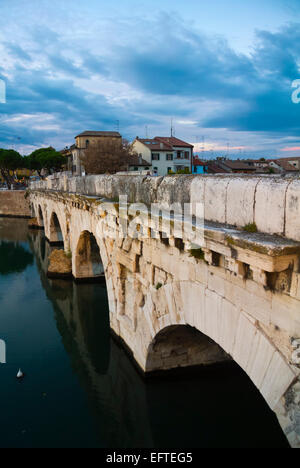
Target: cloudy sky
[221,69]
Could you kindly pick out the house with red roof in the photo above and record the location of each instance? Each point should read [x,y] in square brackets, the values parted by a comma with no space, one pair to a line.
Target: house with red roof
[165,154]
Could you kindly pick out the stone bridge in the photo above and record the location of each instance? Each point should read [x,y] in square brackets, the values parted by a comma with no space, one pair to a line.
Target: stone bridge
[227,287]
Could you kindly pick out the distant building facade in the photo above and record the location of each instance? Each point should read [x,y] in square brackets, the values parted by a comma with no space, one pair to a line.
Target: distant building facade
[83,141]
[165,155]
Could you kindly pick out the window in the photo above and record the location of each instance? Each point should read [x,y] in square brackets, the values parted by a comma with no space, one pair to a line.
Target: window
[87,142]
[178,155]
[136,168]
[186,155]
[169,170]
[155,156]
[146,168]
[169,157]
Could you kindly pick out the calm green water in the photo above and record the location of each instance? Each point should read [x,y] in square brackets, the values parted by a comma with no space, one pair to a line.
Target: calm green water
[81,389]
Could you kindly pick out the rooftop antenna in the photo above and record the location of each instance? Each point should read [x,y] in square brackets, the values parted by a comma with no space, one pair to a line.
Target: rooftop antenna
[203,145]
[118,125]
[172,129]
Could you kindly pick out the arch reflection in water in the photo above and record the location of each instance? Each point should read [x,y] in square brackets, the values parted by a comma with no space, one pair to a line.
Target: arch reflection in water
[216,408]
[116,392]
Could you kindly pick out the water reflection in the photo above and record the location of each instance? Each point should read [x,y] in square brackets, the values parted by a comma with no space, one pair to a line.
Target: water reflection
[116,392]
[222,409]
[14,258]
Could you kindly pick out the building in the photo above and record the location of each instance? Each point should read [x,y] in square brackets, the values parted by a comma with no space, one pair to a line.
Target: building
[82,142]
[237,167]
[138,164]
[165,154]
[199,167]
[284,166]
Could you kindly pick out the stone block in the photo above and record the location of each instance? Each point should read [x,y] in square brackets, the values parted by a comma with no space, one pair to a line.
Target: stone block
[292,230]
[127,260]
[216,199]
[270,205]
[240,201]
[277,380]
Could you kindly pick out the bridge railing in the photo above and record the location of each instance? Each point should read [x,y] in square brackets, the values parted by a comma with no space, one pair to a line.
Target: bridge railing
[271,204]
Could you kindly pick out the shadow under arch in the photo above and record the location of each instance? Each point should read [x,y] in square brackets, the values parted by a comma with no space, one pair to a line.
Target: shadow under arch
[40,217]
[56,234]
[181,346]
[193,364]
[88,262]
[190,303]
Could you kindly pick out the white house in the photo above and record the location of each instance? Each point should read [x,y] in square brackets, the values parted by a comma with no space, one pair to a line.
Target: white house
[165,154]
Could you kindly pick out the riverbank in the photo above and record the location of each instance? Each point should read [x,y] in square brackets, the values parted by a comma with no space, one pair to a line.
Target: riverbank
[13,204]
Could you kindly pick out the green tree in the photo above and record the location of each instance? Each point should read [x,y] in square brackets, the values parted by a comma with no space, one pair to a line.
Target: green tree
[45,158]
[10,160]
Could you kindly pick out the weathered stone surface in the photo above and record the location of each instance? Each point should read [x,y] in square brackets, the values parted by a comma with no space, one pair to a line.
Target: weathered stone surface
[60,265]
[270,199]
[13,203]
[33,224]
[241,200]
[292,230]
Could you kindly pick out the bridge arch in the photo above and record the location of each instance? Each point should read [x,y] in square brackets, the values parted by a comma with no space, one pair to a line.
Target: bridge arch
[182,346]
[190,303]
[56,235]
[87,262]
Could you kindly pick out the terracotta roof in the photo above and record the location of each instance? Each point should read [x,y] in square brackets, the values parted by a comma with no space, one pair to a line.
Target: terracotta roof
[295,158]
[238,166]
[102,134]
[164,143]
[198,162]
[174,142]
[155,144]
[215,169]
[136,160]
[285,165]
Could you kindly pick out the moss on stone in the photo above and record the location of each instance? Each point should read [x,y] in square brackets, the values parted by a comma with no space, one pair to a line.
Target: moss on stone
[251,227]
[197,253]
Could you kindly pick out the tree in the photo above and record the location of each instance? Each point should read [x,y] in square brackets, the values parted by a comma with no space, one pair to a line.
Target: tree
[108,156]
[45,158]
[10,160]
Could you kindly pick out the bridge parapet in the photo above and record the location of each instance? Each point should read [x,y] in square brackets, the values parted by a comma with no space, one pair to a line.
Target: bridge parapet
[272,203]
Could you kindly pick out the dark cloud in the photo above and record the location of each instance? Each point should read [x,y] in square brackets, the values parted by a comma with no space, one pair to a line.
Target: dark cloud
[269,107]
[171,70]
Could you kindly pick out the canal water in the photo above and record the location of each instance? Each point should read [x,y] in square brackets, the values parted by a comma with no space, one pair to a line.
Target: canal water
[82,390]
